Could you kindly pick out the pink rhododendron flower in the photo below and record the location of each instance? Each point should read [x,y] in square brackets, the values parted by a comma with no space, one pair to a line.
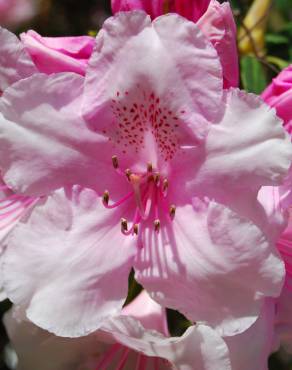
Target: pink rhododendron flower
[219,26]
[191,10]
[58,54]
[214,19]
[172,164]
[13,12]
[136,339]
[21,59]
[279,95]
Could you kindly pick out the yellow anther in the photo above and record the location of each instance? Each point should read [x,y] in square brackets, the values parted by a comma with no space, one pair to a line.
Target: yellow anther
[172,210]
[105,197]
[136,229]
[165,185]
[157,225]
[149,167]
[124,224]
[128,173]
[166,7]
[157,179]
[115,161]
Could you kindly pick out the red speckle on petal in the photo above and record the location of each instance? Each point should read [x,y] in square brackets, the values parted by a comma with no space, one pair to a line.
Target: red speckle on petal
[138,112]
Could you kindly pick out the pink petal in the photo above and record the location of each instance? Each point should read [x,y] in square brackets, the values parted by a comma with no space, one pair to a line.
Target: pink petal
[279,94]
[15,62]
[153,7]
[13,12]
[248,148]
[67,264]
[212,265]
[148,312]
[192,9]
[45,144]
[128,60]
[38,349]
[58,54]
[251,349]
[219,27]
[199,345]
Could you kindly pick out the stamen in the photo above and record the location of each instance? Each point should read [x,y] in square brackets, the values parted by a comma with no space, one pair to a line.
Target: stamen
[144,211]
[136,229]
[150,178]
[128,173]
[16,215]
[21,206]
[119,202]
[124,225]
[157,225]
[149,167]
[157,179]
[165,185]
[7,205]
[115,162]
[10,197]
[105,198]
[172,210]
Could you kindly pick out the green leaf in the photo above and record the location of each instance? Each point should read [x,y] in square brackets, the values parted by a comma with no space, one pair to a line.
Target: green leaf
[253,75]
[280,63]
[274,38]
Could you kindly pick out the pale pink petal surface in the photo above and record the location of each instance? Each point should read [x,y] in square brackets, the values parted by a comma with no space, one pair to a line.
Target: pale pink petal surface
[15,62]
[218,25]
[58,54]
[251,349]
[235,147]
[209,271]
[189,62]
[59,265]
[14,12]
[51,145]
[199,345]
[38,349]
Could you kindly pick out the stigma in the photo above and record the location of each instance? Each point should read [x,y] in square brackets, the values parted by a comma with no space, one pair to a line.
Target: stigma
[149,189]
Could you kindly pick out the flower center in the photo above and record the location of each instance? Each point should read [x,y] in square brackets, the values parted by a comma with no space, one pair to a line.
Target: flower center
[118,355]
[150,192]
[137,113]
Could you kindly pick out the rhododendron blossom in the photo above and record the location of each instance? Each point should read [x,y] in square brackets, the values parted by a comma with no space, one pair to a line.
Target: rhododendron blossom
[214,19]
[136,339]
[58,54]
[13,12]
[21,59]
[148,164]
[192,9]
